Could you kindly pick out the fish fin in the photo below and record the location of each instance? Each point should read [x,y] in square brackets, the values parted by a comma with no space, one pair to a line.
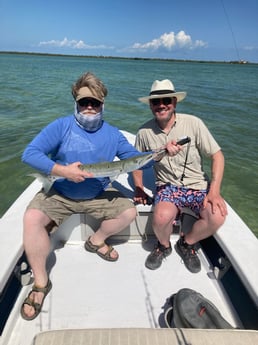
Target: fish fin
[45,180]
[113,178]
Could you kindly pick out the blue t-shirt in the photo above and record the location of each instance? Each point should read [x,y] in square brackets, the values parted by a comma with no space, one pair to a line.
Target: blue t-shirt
[64,142]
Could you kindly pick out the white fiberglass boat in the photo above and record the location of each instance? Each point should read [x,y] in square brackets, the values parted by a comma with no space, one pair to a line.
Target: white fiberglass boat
[98,302]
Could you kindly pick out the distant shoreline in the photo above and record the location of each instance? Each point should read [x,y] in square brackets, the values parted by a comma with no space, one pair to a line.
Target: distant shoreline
[243,62]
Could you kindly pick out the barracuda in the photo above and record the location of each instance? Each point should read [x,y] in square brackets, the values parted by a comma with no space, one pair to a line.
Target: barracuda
[106,169]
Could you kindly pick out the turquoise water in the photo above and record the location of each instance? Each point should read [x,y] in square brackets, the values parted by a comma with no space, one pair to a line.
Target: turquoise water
[35,90]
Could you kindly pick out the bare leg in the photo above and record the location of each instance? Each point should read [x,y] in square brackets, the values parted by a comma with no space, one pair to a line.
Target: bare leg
[37,246]
[164,215]
[206,226]
[111,227]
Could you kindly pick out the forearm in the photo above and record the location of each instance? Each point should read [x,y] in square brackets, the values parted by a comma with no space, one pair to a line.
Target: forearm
[137,178]
[59,170]
[217,171]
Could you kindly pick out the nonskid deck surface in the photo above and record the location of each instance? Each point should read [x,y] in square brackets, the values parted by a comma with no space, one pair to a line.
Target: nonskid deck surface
[89,292]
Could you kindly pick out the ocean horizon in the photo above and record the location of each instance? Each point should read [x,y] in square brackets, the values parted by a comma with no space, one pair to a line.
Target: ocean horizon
[128,58]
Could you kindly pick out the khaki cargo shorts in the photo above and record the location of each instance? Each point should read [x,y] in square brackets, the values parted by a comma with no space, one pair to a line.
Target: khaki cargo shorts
[58,208]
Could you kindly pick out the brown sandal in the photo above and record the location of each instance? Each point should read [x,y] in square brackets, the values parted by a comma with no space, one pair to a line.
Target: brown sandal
[37,306]
[93,248]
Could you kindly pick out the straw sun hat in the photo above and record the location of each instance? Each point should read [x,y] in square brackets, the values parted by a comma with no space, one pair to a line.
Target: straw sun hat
[161,89]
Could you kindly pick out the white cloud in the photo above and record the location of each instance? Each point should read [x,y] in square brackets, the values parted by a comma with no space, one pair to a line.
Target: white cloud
[167,41]
[170,41]
[65,43]
[250,48]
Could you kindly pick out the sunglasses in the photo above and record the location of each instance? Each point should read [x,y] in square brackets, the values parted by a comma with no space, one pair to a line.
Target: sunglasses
[84,102]
[158,101]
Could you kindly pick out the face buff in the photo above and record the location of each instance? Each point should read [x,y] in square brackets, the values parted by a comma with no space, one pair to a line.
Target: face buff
[90,123]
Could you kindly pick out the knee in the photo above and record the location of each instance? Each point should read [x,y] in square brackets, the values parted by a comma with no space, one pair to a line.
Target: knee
[29,216]
[210,221]
[130,214]
[219,220]
[133,212]
[215,221]
[161,218]
[34,217]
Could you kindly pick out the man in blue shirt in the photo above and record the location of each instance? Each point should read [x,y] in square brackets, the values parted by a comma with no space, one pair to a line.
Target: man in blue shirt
[60,149]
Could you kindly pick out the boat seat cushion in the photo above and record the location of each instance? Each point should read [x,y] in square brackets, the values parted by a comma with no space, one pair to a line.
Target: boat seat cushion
[146,336]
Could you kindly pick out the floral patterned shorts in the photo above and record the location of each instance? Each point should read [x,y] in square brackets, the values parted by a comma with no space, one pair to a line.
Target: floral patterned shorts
[181,196]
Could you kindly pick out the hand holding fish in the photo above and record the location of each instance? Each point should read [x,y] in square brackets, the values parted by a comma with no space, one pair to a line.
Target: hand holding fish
[72,172]
[171,149]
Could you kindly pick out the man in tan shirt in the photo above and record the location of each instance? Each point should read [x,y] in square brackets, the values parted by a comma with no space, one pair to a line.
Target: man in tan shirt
[180,179]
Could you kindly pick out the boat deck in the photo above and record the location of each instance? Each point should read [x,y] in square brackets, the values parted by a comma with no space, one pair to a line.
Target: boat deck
[90,295]
[89,292]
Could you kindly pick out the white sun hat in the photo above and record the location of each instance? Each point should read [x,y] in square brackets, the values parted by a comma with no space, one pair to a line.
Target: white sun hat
[161,89]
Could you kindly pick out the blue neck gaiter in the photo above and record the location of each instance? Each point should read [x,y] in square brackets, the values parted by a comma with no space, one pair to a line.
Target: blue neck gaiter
[90,123]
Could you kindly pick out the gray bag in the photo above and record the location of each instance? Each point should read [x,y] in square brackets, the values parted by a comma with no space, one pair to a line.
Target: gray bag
[189,309]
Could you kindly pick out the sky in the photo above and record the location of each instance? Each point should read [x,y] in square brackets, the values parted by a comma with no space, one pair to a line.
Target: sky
[213,30]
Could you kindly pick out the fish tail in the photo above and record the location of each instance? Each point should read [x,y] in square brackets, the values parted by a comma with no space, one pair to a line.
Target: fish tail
[46,182]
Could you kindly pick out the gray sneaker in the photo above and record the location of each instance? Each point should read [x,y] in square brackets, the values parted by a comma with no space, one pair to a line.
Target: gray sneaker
[154,259]
[188,255]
